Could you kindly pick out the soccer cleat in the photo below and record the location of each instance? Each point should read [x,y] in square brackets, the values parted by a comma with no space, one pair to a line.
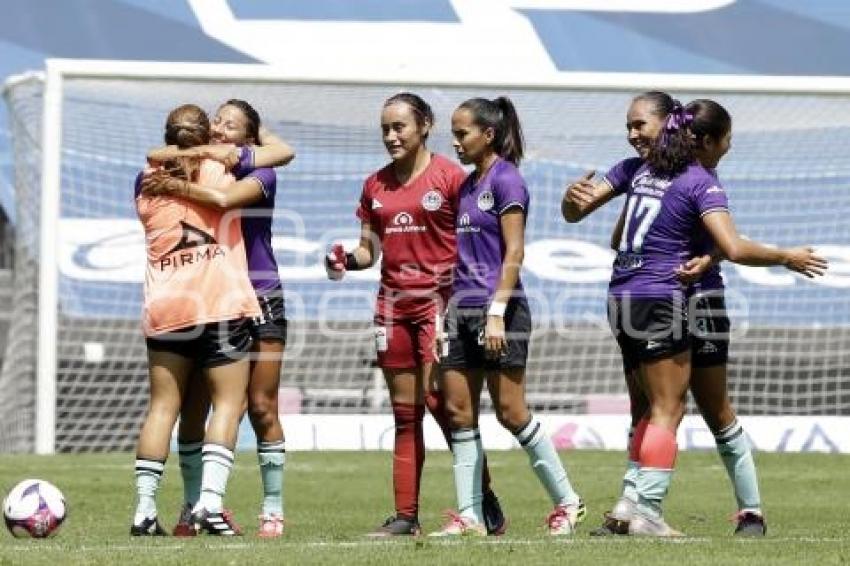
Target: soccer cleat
[184,527]
[458,526]
[218,523]
[398,525]
[271,526]
[562,521]
[749,524]
[494,518]
[617,520]
[642,525]
[148,527]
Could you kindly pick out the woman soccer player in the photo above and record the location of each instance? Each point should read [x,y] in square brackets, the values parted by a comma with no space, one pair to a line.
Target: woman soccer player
[671,199]
[197,312]
[711,132]
[488,323]
[237,125]
[408,211]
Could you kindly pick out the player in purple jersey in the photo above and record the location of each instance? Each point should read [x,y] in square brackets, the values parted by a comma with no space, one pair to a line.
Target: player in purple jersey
[241,138]
[670,197]
[488,323]
[711,132]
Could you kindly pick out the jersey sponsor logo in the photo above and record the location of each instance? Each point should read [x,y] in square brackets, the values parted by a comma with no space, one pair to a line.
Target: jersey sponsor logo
[188,252]
[486,201]
[707,348]
[403,223]
[432,200]
[403,219]
[715,189]
[464,224]
[376,204]
[192,237]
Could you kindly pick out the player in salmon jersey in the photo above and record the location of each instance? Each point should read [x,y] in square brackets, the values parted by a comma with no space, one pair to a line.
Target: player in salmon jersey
[671,197]
[407,212]
[488,324]
[241,140]
[197,313]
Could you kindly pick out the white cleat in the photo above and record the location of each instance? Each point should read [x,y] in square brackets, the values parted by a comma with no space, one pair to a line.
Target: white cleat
[642,525]
[562,521]
[624,510]
[458,526]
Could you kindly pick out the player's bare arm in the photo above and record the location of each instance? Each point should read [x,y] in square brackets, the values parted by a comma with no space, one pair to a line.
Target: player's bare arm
[583,196]
[513,236]
[803,260]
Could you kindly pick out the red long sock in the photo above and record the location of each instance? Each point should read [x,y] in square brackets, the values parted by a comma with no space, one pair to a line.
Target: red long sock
[637,439]
[658,449]
[408,457]
[436,403]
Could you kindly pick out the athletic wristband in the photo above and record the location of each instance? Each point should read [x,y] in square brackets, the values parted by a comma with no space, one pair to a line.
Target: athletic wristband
[497,308]
[351,262]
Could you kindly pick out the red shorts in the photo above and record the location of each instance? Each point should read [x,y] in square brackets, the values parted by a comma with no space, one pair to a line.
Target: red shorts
[407,342]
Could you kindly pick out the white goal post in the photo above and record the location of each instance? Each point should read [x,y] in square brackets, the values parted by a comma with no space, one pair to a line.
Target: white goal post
[147,74]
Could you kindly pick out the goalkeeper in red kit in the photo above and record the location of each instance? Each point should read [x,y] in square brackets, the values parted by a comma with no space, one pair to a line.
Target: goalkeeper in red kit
[408,214]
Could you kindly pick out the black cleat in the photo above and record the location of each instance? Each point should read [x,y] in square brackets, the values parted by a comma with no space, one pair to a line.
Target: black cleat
[398,525]
[750,524]
[494,518]
[218,523]
[149,527]
[611,527]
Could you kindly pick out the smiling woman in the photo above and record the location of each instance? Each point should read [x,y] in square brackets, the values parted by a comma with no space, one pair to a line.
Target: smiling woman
[407,211]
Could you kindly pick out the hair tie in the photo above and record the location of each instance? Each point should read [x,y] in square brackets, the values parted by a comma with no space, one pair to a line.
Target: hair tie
[678,118]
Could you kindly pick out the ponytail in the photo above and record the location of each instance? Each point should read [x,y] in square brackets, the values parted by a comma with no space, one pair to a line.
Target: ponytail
[673,150]
[500,115]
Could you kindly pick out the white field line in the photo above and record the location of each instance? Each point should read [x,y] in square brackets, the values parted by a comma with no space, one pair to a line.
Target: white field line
[603,541]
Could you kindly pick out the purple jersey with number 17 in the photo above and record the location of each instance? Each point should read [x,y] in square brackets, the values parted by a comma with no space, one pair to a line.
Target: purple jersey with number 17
[620,177]
[662,220]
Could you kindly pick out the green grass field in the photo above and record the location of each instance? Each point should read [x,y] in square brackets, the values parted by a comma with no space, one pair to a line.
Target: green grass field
[333,498]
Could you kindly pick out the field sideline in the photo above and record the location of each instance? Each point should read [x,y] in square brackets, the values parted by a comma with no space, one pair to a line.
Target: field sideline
[332,498]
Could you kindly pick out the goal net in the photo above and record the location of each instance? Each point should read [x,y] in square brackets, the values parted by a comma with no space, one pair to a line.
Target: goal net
[75,357]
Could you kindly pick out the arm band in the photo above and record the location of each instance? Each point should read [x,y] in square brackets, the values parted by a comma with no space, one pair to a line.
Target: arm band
[351,262]
[497,308]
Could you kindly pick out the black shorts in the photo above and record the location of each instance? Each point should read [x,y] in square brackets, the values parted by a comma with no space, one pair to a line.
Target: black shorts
[648,329]
[709,329]
[272,323]
[464,328]
[209,345]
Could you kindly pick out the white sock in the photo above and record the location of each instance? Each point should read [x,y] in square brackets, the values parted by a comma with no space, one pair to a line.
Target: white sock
[218,461]
[148,475]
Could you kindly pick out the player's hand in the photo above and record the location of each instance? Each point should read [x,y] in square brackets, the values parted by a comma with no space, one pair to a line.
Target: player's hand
[335,262]
[495,345]
[803,260]
[581,192]
[692,270]
[159,182]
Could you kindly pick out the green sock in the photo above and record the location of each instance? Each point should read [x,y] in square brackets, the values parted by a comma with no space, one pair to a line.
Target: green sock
[468,455]
[652,486]
[630,481]
[545,462]
[272,457]
[736,453]
[191,468]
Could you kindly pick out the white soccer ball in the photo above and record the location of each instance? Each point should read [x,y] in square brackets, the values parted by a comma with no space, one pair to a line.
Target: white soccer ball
[34,508]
